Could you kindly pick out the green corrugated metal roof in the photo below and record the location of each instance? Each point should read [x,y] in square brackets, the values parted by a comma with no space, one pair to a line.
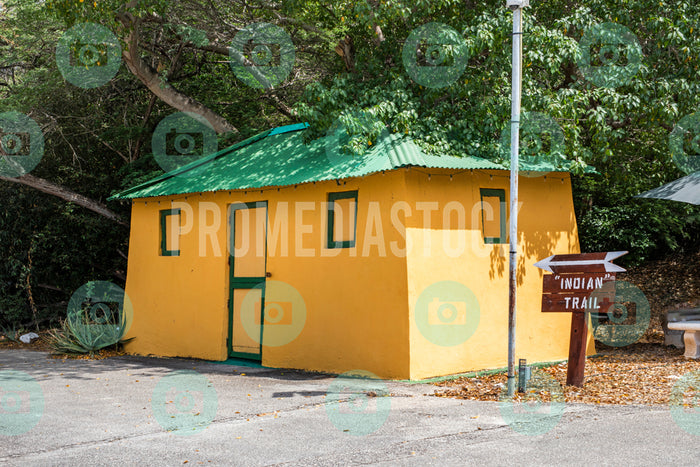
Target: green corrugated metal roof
[279,157]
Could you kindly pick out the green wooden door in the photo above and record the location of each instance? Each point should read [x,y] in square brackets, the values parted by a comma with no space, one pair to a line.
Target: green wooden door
[247,264]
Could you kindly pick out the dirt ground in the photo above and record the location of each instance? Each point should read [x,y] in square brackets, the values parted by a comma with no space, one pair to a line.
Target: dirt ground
[635,374]
[42,344]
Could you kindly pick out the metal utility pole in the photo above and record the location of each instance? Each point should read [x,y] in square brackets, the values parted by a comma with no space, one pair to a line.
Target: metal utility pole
[517,7]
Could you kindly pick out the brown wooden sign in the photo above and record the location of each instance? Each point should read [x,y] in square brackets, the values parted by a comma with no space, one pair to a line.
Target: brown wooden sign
[570,289]
[572,292]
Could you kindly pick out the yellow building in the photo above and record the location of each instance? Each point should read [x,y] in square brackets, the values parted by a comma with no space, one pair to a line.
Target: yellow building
[393,262]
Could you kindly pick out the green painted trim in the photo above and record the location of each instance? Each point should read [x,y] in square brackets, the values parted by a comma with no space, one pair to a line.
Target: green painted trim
[246,362]
[164,213]
[247,356]
[500,194]
[244,282]
[332,197]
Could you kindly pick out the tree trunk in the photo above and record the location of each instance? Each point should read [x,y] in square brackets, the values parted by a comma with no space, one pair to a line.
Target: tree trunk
[47,187]
[346,50]
[165,92]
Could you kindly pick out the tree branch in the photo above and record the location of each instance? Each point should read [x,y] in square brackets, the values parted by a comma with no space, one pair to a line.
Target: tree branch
[281,106]
[285,20]
[109,146]
[137,147]
[65,194]
[150,78]
[346,50]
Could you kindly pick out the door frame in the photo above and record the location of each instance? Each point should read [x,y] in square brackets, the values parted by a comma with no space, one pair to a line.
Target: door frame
[244,283]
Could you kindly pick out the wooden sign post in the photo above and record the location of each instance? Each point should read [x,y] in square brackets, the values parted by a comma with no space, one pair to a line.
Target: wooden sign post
[569,289]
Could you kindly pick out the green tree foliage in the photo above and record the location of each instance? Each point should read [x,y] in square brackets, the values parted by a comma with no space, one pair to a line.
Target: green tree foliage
[349,65]
[98,140]
[623,131]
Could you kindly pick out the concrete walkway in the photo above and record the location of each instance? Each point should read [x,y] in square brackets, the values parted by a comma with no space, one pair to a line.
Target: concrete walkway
[116,411]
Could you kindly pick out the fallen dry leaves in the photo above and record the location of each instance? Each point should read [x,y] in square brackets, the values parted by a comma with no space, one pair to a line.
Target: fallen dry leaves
[98,355]
[42,345]
[636,374]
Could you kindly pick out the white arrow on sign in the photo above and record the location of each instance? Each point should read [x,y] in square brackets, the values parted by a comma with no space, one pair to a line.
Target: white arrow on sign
[584,261]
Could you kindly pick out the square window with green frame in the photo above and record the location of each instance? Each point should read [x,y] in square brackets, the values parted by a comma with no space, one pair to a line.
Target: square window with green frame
[170,232]
[342,219]
[493,215]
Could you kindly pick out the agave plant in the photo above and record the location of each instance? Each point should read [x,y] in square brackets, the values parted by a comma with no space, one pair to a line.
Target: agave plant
[91,328]
[11,332]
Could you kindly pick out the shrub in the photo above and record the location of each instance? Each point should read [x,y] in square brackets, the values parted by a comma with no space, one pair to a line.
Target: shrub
[80,333]
[11,332]
[647,229]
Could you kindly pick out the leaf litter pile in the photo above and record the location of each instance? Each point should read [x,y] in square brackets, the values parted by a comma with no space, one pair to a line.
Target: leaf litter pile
[642,373]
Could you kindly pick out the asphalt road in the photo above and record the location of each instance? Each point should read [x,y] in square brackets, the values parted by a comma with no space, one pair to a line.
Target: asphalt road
[133,410]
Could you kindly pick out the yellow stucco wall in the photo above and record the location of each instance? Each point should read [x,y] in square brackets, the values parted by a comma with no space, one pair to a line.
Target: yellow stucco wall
[359,301]
[547,225]
[355,298]
[180,303]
